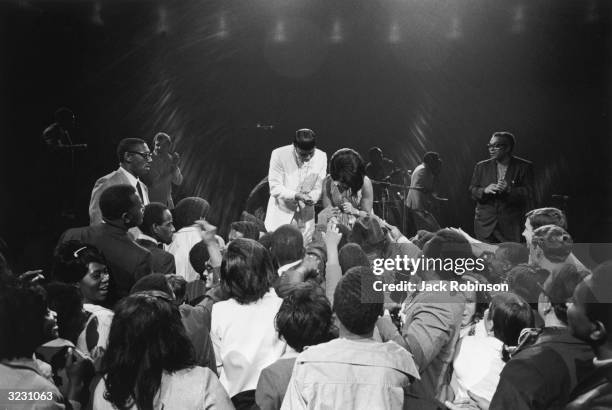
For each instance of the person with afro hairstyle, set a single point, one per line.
(353, 371)
(304, 319)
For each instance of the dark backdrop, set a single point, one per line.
(406, 75)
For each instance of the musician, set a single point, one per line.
(422, 199)
(347, 188)
(164, 172)
(379, 168)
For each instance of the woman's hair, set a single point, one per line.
(247, 272)
(22, 316)
(67, 301)
(248, 229)
(146, 338)
(483, 298)
(188, 210)
(305, 317)
(510, 314)
(347, 166)
(351, 255)
(72, 259)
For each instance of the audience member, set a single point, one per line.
(549, 248)
(506, 256)
(127, 261)
(304, 319)
(23, 310)
(196, 320)
(353, 371)
(480, 359)
(243, 229)
(549, 362)
(242, 327)
(134, 163)
(287, 247)
(476, 302)
(150, 362)
(157, 229)
(351, 255)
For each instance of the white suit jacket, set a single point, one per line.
(286, 178)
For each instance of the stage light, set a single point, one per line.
(162, 22)
(336, 35)
(280, 35)
(455, 31)
(96, 17)
(518, 19)
(223, 31)
(394, 33)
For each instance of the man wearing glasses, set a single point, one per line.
(295, 177)
(503, 189)
(134, 163)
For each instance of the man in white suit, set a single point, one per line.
(295, 177)
(134, 163)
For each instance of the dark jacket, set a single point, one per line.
(127, 261)
(505, 210)
(544, 374)
(161, 260)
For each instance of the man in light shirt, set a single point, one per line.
(134, 163)
(295, 177)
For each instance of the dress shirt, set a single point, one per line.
(134, 182)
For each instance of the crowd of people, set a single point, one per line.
(150, 308)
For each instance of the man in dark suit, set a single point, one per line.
(503, 189)
(121, 210)
(157, 228)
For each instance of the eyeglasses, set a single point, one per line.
(496, 146)
(144, 155)
(76, 253)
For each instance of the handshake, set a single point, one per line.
(500, 187)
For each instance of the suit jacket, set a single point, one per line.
(127, 261)
(116, 177)
(161, 261)
(285, 180)
(506, 210)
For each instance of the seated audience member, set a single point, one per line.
(549, 248)
(247, 217)
(432, 320)
(549, 362)
(84, 267)
(23, 312)
(287, 247)
(157, 229)
(506, 256)
(589, 315)
(480, 359)
(188, 232)
(196, 320)
(526, 281)
(307, 271)
(150, 362)
(242, 328)
(304, 319)
(353, 371)
(243, 229)
(351, 255)
(476, 302)
(127, 261)
(421, 238)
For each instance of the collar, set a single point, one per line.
(133, 180)
(148, 238)
(290, 353)
(288, 266)
(22, 363)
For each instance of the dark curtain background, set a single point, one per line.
(406, 75)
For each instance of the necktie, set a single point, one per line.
(139, 189)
